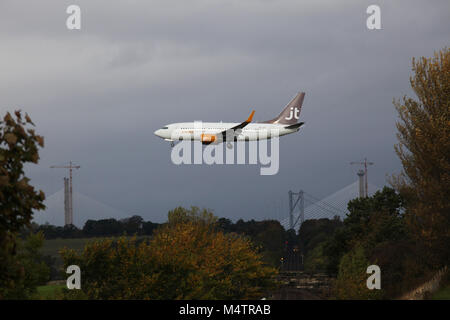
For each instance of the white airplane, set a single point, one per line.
(217, 132)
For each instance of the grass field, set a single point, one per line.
(49, 292)
(442, 294)
(52, 247)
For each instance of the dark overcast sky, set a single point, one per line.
(98, 94)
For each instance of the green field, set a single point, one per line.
(49, 292)
(442, 294)
(52, 247)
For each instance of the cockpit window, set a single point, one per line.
(165, 127)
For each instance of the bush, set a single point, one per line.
(186, 259)
(352, 277)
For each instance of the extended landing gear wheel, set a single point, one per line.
(172, 144)
(229, 145)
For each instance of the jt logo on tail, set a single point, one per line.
(291, 113)
(294, 114)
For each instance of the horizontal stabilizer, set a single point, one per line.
(295, 126)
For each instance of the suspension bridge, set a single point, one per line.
(304, 206)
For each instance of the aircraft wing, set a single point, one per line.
(236, 130)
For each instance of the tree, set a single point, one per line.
(103, 227)
(18, 145)
(180, 215)
(132, 225)
(313, 232)
(371, 221)
(402, 266)
(149, 227)
(424, 150)
(351, 281)
(376, 219)
(208, 264)
(30, 265)
(316, 260)
(271, 238)
(268, 235)
(36, 270)
(187, 258)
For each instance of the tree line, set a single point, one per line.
(269, 236)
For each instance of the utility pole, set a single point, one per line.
(68, 203)
(301, 201)
(365, 163)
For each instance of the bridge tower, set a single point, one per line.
(300, 201)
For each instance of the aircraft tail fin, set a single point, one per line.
(291, 112)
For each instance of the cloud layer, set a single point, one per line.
(98, 94)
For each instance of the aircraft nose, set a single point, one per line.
(158, 133)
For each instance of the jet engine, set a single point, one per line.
(207, 138)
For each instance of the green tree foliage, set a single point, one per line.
(376, 227)
(371, 221)
(315, 231)
(149, 227)
(313, 237)
(268, 236)
(187, 258)
(37, 272)
(195, 214)
(352, 277)
(18, 145)
(376, 219)
(103, 227)
(99, 228)
(424, 150)
(31, 265)
(316, 260)
(374, 232)
(133, 225)
(402, 266)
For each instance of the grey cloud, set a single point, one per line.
(98, 94)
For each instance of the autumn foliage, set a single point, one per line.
(19, 145)
(424, 150)
(186, 259)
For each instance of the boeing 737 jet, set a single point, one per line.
(217, 132)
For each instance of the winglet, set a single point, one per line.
(250, 117)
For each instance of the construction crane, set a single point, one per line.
(68, 207)
(365, 163)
